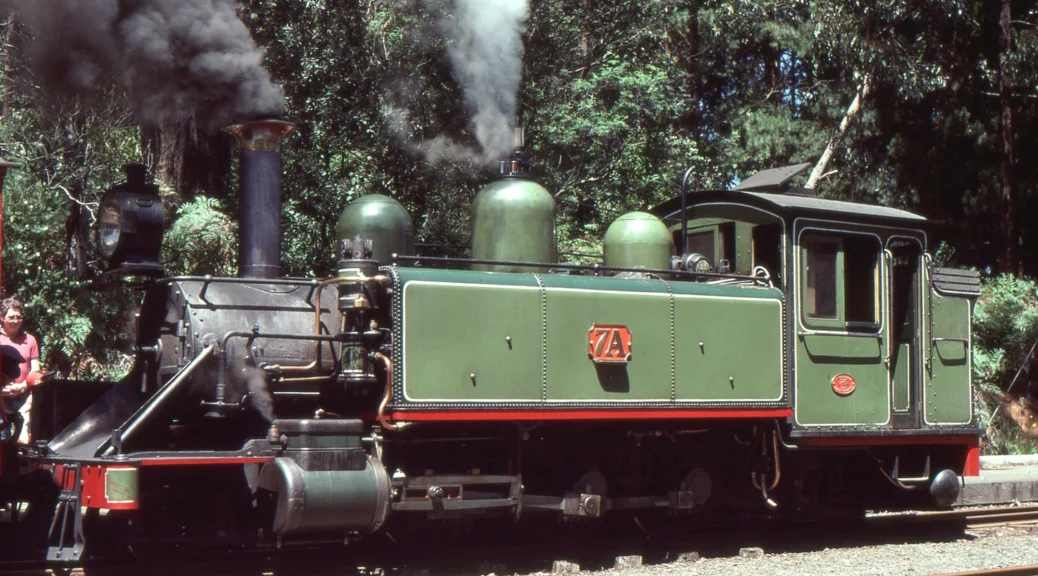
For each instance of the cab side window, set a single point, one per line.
(840, 282)
(820, 263)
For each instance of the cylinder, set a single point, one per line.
(513, 219)
(259, 202)
(313, 501)
(638, 239)
(382, 220)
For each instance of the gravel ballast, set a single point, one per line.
(996, 549)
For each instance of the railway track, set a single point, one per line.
(971, 519)
(528, 556)
(1018, 516)
(1010, 571)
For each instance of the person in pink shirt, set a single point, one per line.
(21, 350)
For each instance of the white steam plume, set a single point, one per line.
(259, 395)
(484, 39)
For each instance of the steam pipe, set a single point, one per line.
(684, 216)
(259, 203)
(596, 268)
(317, 331)
(778, 465)
(388, 394)
(317, 315)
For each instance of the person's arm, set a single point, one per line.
(35, 374)
(15, 389)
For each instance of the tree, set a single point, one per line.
(1005, 44)
(70, 151)
(618, 99)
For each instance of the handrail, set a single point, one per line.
(153, 403)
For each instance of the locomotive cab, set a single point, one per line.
(877, 336)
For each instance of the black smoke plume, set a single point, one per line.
(176, 57)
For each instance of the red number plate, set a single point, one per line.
(609, 343)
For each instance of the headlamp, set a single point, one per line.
(131, 223)
(109, 228)
(697, 263)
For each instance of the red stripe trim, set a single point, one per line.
(885, 440)
(205, 461)
(972, 467)
(595, 414)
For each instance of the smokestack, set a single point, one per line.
(518, 166)
(259, 201)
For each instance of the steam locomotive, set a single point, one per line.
(757, 350)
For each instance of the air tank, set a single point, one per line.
(638, 239)
(380, 219)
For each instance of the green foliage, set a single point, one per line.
(606, 108)
(618, 99)
(1005, 329)
(82, 326)
(201, 240)
(1004, 436)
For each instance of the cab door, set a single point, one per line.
(903, 259)
(841, 376)
(948, 393)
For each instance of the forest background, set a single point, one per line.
(929, 106)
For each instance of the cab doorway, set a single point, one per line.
(904, 264)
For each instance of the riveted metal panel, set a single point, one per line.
(822, 357)
(470, 342)
(901, 375)
(454, 325)
(947, 385)
(728, 349)
(826, 348)
(573, 376)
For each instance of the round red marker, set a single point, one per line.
(843, 384)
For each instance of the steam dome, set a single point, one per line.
(513, 219)
(638, 239)
(382, 220)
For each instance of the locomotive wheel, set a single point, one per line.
(699, 483)
(592, 482)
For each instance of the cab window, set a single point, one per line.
(840, 280)
(701, 243)
(736, 239)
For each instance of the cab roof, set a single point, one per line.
(790, 206)
(771, 190)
